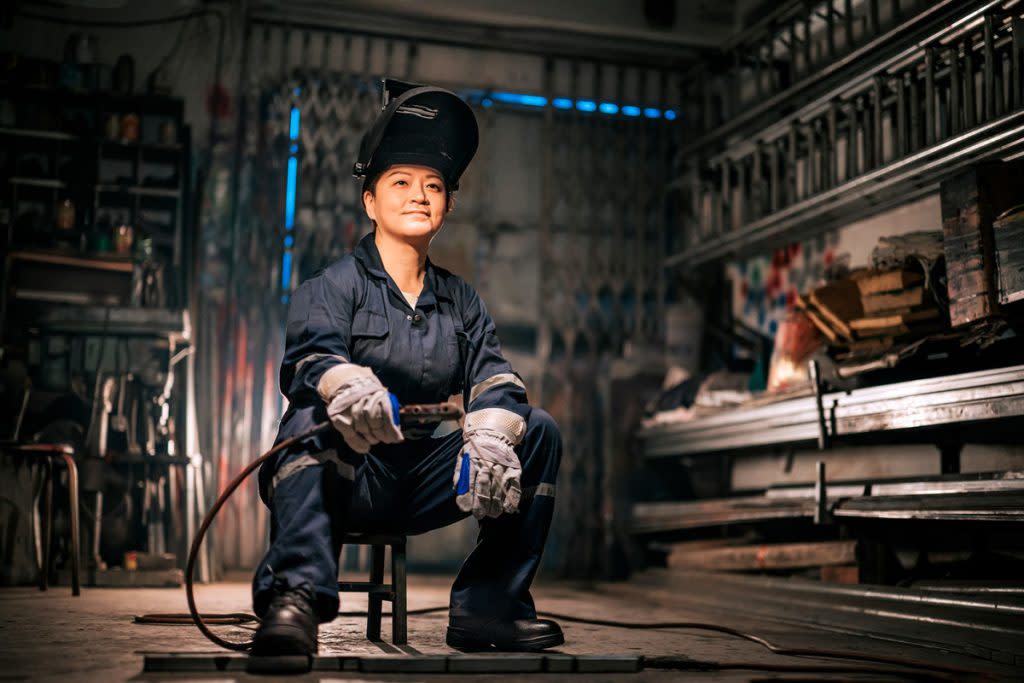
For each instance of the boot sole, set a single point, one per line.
(461, 639)
(283, 640)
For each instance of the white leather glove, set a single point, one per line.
(488, 473)
(359, 406)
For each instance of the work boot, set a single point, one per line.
(289, 626)
(519, 635)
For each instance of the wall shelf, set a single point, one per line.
(904, 406)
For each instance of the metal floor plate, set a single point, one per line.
(170, 662)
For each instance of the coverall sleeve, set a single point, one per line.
(490, 380)
(318, 333)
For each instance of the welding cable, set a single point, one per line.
(669, 662)
(193, 552)
(410, 414)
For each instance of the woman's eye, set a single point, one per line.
(400, 182)
(435, 187)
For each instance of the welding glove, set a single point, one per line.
(360, 407)
(488, 473)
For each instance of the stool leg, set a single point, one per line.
(399, 616)
(375, 600)
(44, 570)
(73, 501)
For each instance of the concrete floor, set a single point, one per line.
(54, 637)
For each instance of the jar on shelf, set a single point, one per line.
(112, 128)
(168, 133)
(130, 127)
(102, 241)
(64, 216)
(124, 237)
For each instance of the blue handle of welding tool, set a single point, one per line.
(394, 408)
(463, 486)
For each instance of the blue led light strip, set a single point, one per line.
(289, 204)
(588, 106)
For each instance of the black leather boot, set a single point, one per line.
(289, 626)
(520, 635)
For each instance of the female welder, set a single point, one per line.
(382, 322)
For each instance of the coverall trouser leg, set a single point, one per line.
(406, 488)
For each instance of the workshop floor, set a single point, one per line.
(54, 637)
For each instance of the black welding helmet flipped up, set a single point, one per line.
(422, 126)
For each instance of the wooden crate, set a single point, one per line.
(971, 201)
(1008, 233)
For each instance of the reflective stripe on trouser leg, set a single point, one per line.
(495, 579)
(310, 496)
(345, 470)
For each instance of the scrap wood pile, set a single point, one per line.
(873, 310)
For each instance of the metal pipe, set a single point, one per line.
(848, 24)
(929, 96)
(814, 372)
(915, 112)
(830, 30)
(810, 176)
(794, 73)
(791, 168)
(954, 91)
(807, 43)
(833, 146)
(1017, 47)
(742, 197)
(900, 143)
(757, 185)
(774, 184)
(988, 84)
(970, 101)
(876, 96)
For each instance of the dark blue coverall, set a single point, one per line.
(320, 489)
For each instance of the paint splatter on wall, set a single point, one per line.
(764, 288)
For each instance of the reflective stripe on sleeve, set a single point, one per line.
(493, 381)
(314, 357)
(541, 489)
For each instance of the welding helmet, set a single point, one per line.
(423, 126)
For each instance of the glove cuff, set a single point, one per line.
(498, 421)
(340, 376)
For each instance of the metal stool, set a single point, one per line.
(51, 454)
(378, 590)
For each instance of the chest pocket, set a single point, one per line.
(369, 338)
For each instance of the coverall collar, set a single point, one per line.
(433, 287)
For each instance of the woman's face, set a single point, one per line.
(408, 203)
